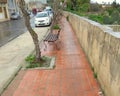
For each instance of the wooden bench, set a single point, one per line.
(52, 37)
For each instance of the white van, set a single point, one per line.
(48, 7)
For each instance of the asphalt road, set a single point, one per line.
(11, 29)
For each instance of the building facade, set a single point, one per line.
(12, 6)
(6, 8)
(36, 4)
(42, 1)
(4, 15)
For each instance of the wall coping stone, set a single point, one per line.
(105, 28)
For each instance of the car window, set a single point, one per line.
(42, 15)
(13, 14)
(47, 9)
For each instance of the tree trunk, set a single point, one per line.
(34, 37)
(31, 31)
(57, 8)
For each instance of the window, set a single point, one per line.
(0, 9)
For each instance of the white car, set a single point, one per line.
(15, 16)
(42, 19)
(50, 12)
(48, 7)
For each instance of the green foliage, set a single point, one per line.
(44, 58)
(95, 7)
(68, 4)
(95, 75)
(67, 18)
(92, 69)
(62, 0)
(107, 19)
(105, 13)
(108, 15)
(56, 26)
(82, 1)
(109, 10)
(115, 15)
(118, 9)
(97, 18)
(30, 58)
(111, 16)
(83, 7)
(32, 64)
(76, 12)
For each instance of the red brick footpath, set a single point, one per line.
(72, 75)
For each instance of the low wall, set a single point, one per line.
(115, 28)
(102, 47)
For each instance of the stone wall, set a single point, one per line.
(102, 47)
(115, 28)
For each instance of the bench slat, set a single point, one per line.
(52, 37)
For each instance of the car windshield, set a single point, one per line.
(48, 10)
(41, 15)
(13, 14)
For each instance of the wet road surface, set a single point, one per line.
(11, 29)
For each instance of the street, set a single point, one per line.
(12, 29)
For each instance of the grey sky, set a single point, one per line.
(101, 1)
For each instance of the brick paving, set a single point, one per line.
(72, 75)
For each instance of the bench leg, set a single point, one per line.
(45, 48)
(58, 44)
(53, 44)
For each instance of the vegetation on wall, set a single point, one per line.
(104, 14)
(78, 5)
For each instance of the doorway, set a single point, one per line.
(5, 12)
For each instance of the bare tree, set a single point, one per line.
(57, 14)
(34, 36)
(58, 6)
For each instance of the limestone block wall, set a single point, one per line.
(102, 47)
(115, 28)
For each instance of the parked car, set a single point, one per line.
(15, 16)
(48, 7)
(50, 12)
(42, 19)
